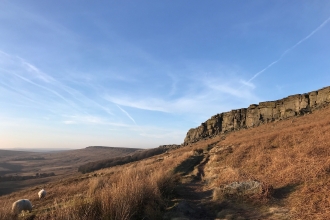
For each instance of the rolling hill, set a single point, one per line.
(26, 166)
(276, 170)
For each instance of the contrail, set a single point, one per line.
(126, 113)
(43, 87)
(290, 49)
(50, 80)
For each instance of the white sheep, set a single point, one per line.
(21, 205)
(42, 194)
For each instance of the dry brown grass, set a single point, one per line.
(63, 164)
(122, 196)
(134, 191)
(290, 155)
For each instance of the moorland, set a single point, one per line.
(277, 170)
(21, 169)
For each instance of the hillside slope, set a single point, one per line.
(51, 165)
(289, 158)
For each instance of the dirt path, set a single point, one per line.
(192, 196)
(193, 200)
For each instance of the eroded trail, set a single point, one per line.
(194, 198)
(192, 195)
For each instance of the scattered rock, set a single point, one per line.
(251, 188)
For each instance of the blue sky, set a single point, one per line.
(142, 73)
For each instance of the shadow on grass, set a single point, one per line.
(188, 165)
(283, 192)
(10, 168)
(200, 168)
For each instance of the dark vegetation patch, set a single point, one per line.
(9, 153)
(18, 178)
(136, 156)
(28, 158)
(10, 168)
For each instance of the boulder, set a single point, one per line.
(245, 189)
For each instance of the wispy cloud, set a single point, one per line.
(174, 85)
(35, 71)
(248, 84)
(69, 122)
(46, 88)
(229, 87)
(151, 104)
(204, 94)
(126, 113)
(164, 135)
(87, 119)
(290, 49)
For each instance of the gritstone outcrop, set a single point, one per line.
(255, 115)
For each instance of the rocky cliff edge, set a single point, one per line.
(255, 115)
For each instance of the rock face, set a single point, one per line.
(255, 115)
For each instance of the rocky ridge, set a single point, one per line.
(255, 115)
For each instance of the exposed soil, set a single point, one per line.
(193, 199)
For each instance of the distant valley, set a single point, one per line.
(32, 168)
(276, 169)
